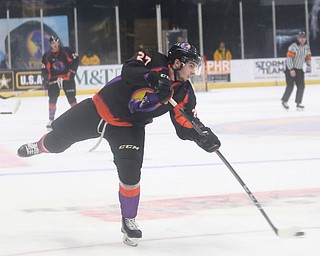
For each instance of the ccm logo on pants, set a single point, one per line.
(129, 147)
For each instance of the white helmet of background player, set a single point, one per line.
(54, 39)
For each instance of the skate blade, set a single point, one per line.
(130, 241)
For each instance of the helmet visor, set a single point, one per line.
(199, 69)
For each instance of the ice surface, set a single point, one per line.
(67, 204)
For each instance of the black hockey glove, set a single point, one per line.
(46, 84)
(161, 83)
(208, 141)
(164, 89)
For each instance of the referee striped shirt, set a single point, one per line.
(297, 55)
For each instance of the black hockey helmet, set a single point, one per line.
(184, 52)
(54, 39)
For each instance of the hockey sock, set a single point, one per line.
(73, 104)
(52, 111)
(129, 196)
(42, 148)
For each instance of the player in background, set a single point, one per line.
(124, 106)
(298, 53)
(59, 67)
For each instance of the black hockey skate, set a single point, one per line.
(29, 149)
(285, 105)
(300, 107)
(131, 233)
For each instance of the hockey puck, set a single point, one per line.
(301, 233)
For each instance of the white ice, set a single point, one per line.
(191, 204)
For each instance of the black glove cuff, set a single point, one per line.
(153, 78)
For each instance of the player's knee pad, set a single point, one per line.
(129, 170)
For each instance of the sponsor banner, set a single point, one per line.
(25, 38)
(87, 77)
(28, 79)
(91, 77)
(6, 80)
(218, 71)
(267, 70)
(315, 69)
(221, 67)
(95, 77)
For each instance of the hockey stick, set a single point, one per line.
(101, 134)
(5, 97)
(59, 81)
(14, 110)
(16, 94)
(289, 232)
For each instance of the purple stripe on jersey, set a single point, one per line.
(114, 80)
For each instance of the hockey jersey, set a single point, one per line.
(58, 64)
(129, 99)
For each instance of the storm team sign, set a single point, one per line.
(269, 68)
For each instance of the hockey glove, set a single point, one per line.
(46, 84)
(161, 83)
(208, 141)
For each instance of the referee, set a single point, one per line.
(298, 53)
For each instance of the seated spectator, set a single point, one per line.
(90, 58)
(222, 53)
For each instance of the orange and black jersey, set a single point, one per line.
(58, 64)
(128, 99)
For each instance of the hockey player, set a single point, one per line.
(59, 67)
(122, 108)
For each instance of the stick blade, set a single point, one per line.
(290, 232)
